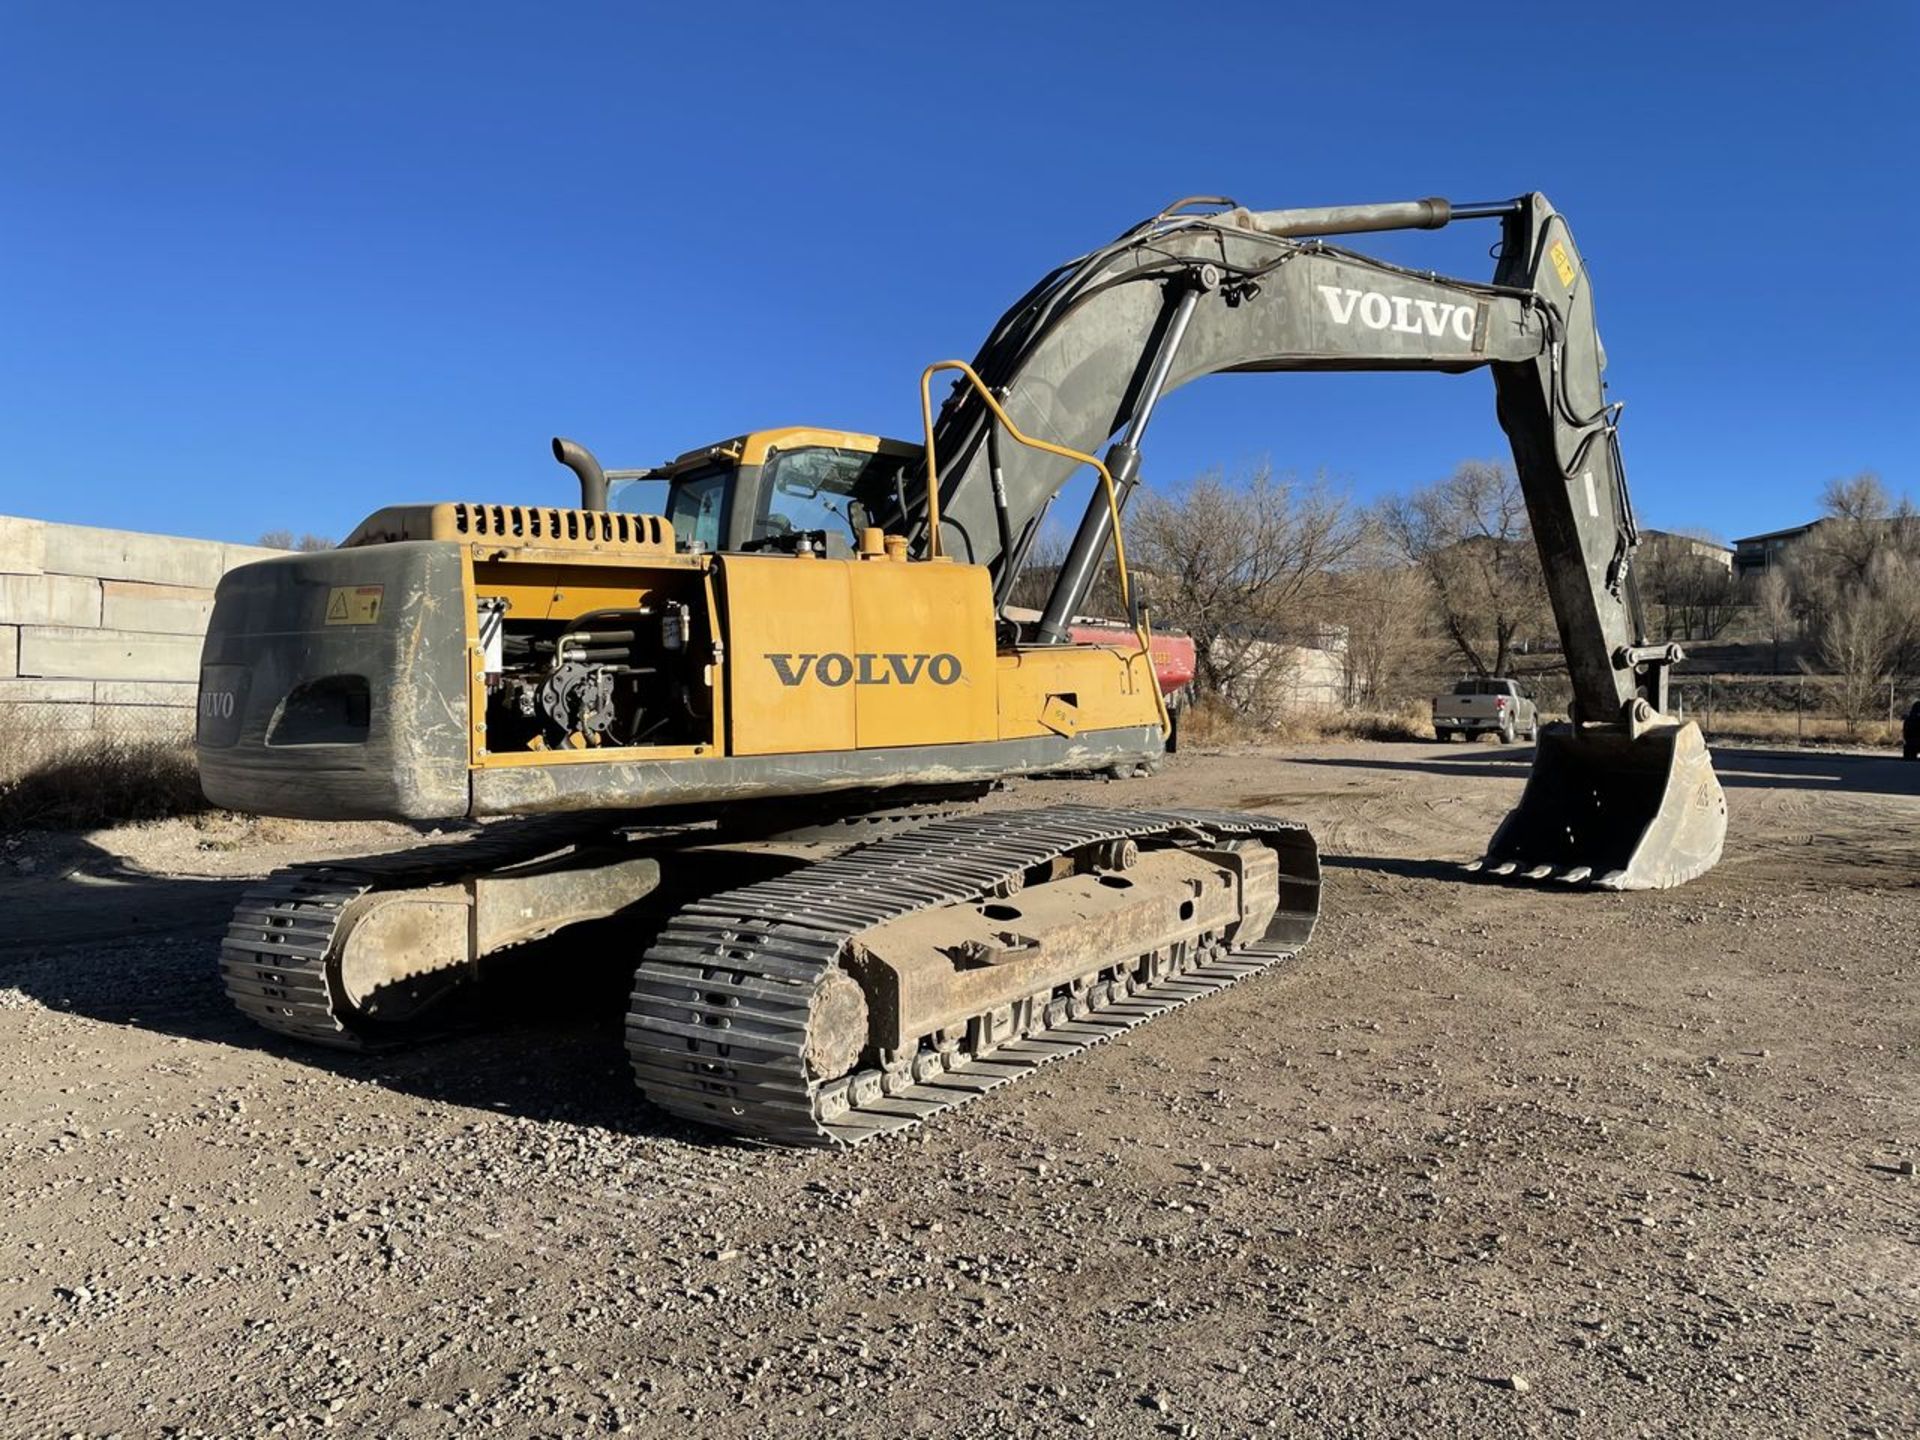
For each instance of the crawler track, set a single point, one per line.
(721, 1003)
(277, 956)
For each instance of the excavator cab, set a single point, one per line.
(798, 487)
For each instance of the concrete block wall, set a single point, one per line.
(101, 629)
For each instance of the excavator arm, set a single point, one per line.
(1624, 796)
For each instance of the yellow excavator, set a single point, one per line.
(756, 692)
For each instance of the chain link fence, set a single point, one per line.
(57, 774)
(1795, 708)
(1773, 709)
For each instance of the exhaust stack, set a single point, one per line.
(593, 480)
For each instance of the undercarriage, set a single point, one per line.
(829, 999)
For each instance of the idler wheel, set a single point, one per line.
(836, 1026)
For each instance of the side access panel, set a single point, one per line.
(832, 655)
(1069, 689)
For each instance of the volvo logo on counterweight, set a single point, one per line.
(834, 669)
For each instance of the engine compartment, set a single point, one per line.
(557, 677)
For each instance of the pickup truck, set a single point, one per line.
(1491, 707)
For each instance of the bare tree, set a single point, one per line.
(284, 540)
(1839, 550)
(1692, 594)
(1386, 607)
(1242, 566)
(1859, 497)
(1035, 581)
(1469, 533)
(1773, 607)
(1864, 627)
(1856, 579)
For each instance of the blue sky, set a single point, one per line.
(271, 267)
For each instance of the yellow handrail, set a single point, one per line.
(1142, 632)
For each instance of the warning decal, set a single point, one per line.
(354, 604)
(1562, 265)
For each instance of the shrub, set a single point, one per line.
(76, 780)
(1211, 721)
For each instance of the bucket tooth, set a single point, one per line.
(1639, 810)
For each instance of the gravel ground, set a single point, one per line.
(1483, 1161)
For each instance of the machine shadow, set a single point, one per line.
(542, 1037)
(1737, 767)
(1816, 770)
(1505, 762)
(1407, 869)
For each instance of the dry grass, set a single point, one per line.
(1213, 722)
(1210, 721)
(81, 779)
(1407, 723)
(1775, 727)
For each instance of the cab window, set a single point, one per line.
(819, 487)
(637, 497)
(695, 507)
(694, 503)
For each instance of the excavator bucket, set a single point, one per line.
(1615, 810)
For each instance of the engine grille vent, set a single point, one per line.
(526, 527)
(534, 525)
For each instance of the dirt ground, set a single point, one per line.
(1482, 1161)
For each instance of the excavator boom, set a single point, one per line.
(1623, 796)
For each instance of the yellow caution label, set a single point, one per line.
(1562, 262)
(354, 604)
(1060, 717)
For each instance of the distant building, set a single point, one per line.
(1712, 550)
(1757, 554)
